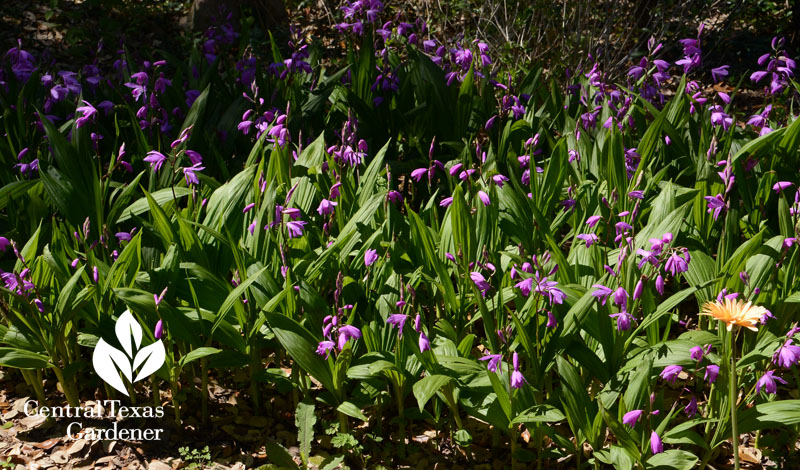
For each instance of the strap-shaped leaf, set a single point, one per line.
(233, 297)
(123, 271)
(21, 359)
(301, 346)
(539, 414)
(198, 353)
(160, 221)
(162, 196)
(350, 409)
(427, 387)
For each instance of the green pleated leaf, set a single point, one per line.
(301, 346)
(427, 387)
(198, 353)
(350, 409)
(539, 414)
(21, 359)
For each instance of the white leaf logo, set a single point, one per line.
(109, 361)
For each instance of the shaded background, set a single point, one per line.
(559, 34)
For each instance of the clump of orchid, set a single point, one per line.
(387, 82)
(399, 32)
(22, 62)
(26, 168)
(592, 94)
(147, 85)
(157, 159)
(61, 85)
(335, 327)
(494, 363)
(430, 171)
(540, 283)
(692, 52)
(778, 66)
(220, 34)
(352, 150)
(650, 74)
(260, 116)
(633, 419)
(719, 203)
(286, 221)
(398, 320)
(297, 61)
(359, 15)
(759, 121)
(461, 58)
(509, 104)
(528, 161)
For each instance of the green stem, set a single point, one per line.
(344, 428)
(398, 391)
(32, 380)
(379, 416)
(69, 394)
(296, 378)
(173, 385)
(732, 395)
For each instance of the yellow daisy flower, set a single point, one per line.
(735, 312)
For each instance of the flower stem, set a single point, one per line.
(732, 395)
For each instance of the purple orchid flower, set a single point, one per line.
(588, 238)
(517, 379)
(424, 343)
(696, 353)
(346, 332)
(325, 347)
(677, 264)
(691, 408)
(602, 292)
(295, 228)
(326, 207)
(670, 373)
(632, 417)
(370, 256)
(768, 383)
(718, 74)
(712, 371)
(397, 320)
(480, 282)
(787, 355)
(655, 443)
(88, 112)
(189, 173)
(156, 159)
(623, 320)
(494, 361)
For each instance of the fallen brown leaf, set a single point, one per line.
(750, 455)
(48, 444)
